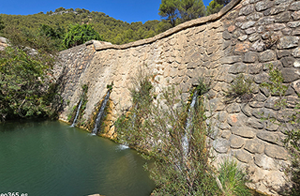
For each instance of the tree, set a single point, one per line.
(51, 32)
(78, 34)
(60, 9)
(27, 87)
(56, 34)
(213, 7)
(223, 2)
(191, 9)
(181, 10)
(1, 24)
(169, 10)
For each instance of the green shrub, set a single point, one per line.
(240, 87)
(27, 89)
(79, 34)
(233, 179)
(158, 128)
(290, 125)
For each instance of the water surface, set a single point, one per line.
(50, 158)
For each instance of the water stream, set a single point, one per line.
(100, 114)
(77, 113)
(188, 131)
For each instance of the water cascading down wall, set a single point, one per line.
(244, 37)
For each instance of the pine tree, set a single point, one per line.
(191, 9)
(169, 10)
(213, 7)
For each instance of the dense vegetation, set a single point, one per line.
(79, 34)
(290, 124)
(178, 11)
(27, 87)
(174, 135)
(59, 23)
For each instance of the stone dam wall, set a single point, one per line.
(244, 37)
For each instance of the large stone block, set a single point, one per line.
(221, 145)
(238, 68)
(292, 25)
(264, 162)
(275, 151)
(233, 108)
(236, 119)
(260, 78)
(226, 35)
(272, 126)
(283, 17)
(287, 42)
(254, 146)
(266, 20)
(230, 59)
(261, 113)
(255, 16)
(247, 10)
(236, 142)
(250, 57)
(269, 137)
(243, 131)
(268, 55)
(246, 109)
(263, 5)
(279, 2)
(260, 97)
(221, 116)
(287, 61)
(296, 86)
(272, 103)
(254, 37)
(216, 104)
(254, 123)
(248, 24)
(258, 46)
(255, 68)
(290, 74)
(295, 6)
(243, 156)
(296, 15)
(278, 9)
(296, 52)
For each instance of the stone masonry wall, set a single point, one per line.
(71, 67)
(244, 37)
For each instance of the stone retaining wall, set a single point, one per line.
(245, 37)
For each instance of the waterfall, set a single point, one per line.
(100, 114)
(77, 113)
(187, 134)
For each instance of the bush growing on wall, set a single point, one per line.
(240, 87)
(159, 129)
(291, 125)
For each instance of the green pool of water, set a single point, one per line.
(50, 158)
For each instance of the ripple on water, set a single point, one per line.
(49, 158)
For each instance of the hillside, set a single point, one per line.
(111, 30)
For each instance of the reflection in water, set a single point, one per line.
(49, 158)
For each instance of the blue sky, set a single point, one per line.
(125, 10)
